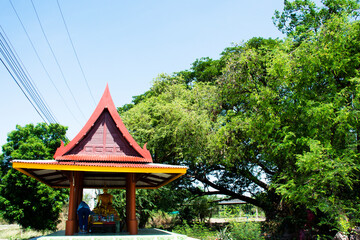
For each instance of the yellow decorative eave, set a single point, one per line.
(22, 165)
(157, 174)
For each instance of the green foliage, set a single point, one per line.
(245, 230)
(31, 142)
(237, 211)
(144, 204)
(276, 119)
(203, 70)
(301, 17)
(175, 121)
(29, 203)
(196, 230)
(224, 234)
(199, 209)
(234, 230)
(292, 113)
(324, 85)
(162, 220)
(22, 199)
(149, 201)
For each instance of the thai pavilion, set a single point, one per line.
(103, 154)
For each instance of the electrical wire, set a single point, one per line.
(56, 60)
(20, 75)
(13, 63)
(22, 80)
(42, 64)
(28, 80)
(77, 58)
(22, 89)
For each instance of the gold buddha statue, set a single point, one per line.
(104, 205)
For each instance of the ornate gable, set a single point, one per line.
(104, 137)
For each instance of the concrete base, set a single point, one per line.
(143, 234)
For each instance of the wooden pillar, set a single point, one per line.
(79, 183)
(130, 204)
(71, 222)
(75, 197)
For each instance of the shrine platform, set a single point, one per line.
(143, 234)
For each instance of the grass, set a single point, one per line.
(15, 232)
(230, 231)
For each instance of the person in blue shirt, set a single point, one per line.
(83, 212)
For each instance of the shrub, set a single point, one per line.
(199, 209)
(245, 230)
(196, 230)
(160, 219)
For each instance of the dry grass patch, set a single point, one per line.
(15, 232)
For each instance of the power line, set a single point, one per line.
(57, 62)
(77, 58)
(42, 64)
(29, 82)
(15, 66)
(16, 71)
(21, 88)
(21, 76)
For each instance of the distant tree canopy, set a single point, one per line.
(300, 18)
(24, 200)
(273, 123)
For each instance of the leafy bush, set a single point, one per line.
(199, 209)
(233, 231)
(148, 202)
(24, 200)
(160, 219)
(246, 230)
(196, 230)
(236, 211)
(30, 203)
(224, 234)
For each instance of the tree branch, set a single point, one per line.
(266, 170)
(249, 175)
(210, 193)
(226, 191)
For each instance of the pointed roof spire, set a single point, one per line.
(104, 138)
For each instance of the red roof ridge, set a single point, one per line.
(105, 102)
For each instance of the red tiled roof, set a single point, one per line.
(112, 158)
(106, 102)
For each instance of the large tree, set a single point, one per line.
(24, 200)
(323, 78)
(278, 128)
(294, 121)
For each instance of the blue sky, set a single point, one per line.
(123, 43)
